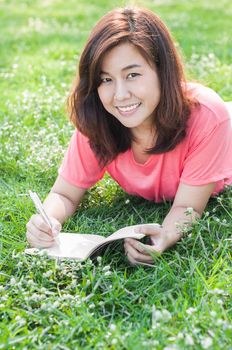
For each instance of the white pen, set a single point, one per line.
(40, 209)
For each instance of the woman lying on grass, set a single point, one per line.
(137, 118)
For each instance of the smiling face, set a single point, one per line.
(129, 88)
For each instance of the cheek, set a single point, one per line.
(153, 87)
(153, 95)
(104, 95)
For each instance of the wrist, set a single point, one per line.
(170, 238)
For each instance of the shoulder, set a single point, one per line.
(79, 147)
(210, 111)
(80, 140)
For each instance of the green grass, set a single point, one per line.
(184, 301)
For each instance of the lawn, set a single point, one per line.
(184, 301)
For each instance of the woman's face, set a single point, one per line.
(130, 88)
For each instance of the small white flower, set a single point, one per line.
(217, 291)
(191, 310)
(107, 273)
(73, 283)
(112, 327)
(38, 263)
(19, 264)
(172, 339)
(67, 297)
(213, 313)
(127, 201)
(42, 253)
(114, 341)
(47, 274)
(22, 322)
(166, 315)
(189, 211)
(30, 283)
(211, 333)
(180, 335)
(43, 290)
(34, 297)
(99, 259)
(13, 281)
(106, 268)
(44, 306)
(189, 340)
(56, 304)
(157, 315)
(171, 347)
(206, 342)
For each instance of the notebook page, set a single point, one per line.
(72, 245)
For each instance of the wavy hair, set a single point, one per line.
(145, 30)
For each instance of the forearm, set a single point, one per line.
(59, 206)
(177, 221)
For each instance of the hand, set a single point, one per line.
(138, 252)
(39, 234)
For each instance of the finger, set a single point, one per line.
(149, 229)
(133, 261)
(40, 235)
(38, 243)
(56, 226)
(136, 255)
(35, 231)
(142, 248)
(38, 222)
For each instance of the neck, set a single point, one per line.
(145, 136)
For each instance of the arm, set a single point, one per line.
(163, 237)
(63, 199)
(60, 203)
(195, 197)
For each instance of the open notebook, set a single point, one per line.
(82, 246)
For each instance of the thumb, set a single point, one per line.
(149, 229)
(56, 226)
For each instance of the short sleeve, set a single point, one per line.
(209, 157)
(80, 166)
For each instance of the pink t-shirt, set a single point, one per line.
(204, 156)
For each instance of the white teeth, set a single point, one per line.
(128, 108)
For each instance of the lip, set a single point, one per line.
(128, 109)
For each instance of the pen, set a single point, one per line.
(40, 209)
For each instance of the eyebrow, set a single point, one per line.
(126, 68)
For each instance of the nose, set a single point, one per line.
(121, 91)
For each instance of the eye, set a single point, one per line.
(132, 75)
(105, 80)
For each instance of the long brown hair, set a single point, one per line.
(145, 30)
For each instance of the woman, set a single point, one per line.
(139, 120)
